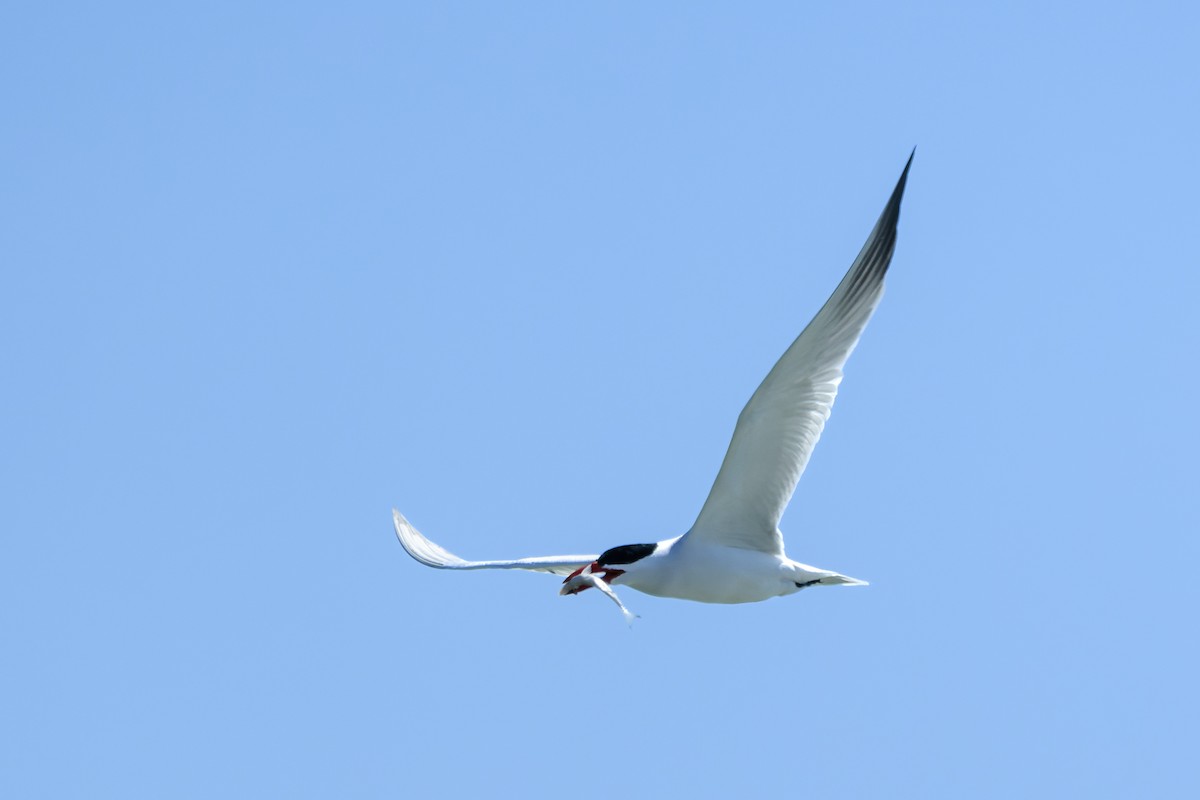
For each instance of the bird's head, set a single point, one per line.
(611, 564)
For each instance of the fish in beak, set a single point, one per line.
(585, 578)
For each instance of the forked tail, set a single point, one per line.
(841, 580)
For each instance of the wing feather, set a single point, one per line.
(778, 429)
(434, 555)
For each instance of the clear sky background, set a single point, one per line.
(270, 270)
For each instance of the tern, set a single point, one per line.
(734, 551)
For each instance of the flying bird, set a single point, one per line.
(734, 553)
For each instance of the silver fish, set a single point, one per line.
(586, 579)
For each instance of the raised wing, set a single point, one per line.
(778, 429)
(432, 555)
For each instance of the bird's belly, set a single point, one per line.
(715, 575)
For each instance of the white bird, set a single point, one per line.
(734, 551)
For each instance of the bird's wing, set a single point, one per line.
(432, 555)
(779, 427)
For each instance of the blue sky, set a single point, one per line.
(271, 270)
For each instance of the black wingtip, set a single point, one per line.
(898, 192)
(891, 212)
(873, 260)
